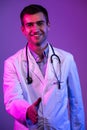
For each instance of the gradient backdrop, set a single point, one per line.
(68, 31)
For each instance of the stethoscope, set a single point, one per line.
(30, 80)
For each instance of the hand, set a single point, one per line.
(32, 113)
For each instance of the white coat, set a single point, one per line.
(54, 113)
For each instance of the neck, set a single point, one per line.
(38, 49)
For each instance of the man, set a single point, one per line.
(41, 81)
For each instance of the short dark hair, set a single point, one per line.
(33, 9)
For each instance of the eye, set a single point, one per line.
(40, 23)
(29, 24)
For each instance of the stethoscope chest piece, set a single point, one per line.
(29, 80)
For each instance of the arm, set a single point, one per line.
(75, 99)
(14, 100)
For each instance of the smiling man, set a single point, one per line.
(41, 81)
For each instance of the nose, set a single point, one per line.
(35, 27)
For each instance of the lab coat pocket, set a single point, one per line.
(58, 93)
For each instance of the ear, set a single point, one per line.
(22, 29)
(48, 25)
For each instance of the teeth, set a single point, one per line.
(36, 35)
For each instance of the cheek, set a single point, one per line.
(25, 31)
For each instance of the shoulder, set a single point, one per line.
(16, 56)
(64, 55)
(63, 52)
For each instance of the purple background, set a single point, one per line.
(68, 31)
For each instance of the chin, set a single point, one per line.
(38, 43)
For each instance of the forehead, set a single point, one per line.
(33, 17)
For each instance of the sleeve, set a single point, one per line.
(14, 100)
(75, 98)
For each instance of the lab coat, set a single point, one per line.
(60, 109)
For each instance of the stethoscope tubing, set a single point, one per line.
(30, 80)
(54, 54)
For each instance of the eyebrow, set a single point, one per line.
(43, 21)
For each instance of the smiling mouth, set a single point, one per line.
(36, 35)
